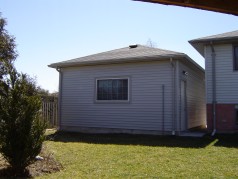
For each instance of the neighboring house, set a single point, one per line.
(221, 64)
(136, 89)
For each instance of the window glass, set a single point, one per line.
(112, 89)
(236, 58)
(237, 117)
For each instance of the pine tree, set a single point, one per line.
(21, 127)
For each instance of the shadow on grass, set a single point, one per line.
(227, 140)
(7, 172)
(128, 139)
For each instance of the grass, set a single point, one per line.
(141, 156)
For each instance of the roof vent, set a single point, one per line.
(133, 46)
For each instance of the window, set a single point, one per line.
(236, 116)
(112, 89)
(236, 57)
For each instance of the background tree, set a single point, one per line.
(21, 128)
(150, 43)
(42, 91)
(8, 52)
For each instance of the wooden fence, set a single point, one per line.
(49, 110)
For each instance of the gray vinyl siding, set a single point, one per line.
(195, 89)
(144, 110)
(226, 77)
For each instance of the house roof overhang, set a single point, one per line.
(222, 6)
(115, 61)
(118, 61)
(199, 44)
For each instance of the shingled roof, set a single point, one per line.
(227, 37)
(127, 54)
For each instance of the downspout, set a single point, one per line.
(173, 95)
(213, 54)
(59, 97)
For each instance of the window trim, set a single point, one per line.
(112, 101)
(235, 68)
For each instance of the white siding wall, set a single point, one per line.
(226, 77)
(144, 112)
(196, 99)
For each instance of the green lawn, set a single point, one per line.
(141, 156)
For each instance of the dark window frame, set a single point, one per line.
(112, 90)
(235, 57)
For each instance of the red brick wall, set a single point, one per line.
(225, 120)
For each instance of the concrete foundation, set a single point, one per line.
(114, 131)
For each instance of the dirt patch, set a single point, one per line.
(40, 167)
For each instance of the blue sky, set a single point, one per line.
(56, 30)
